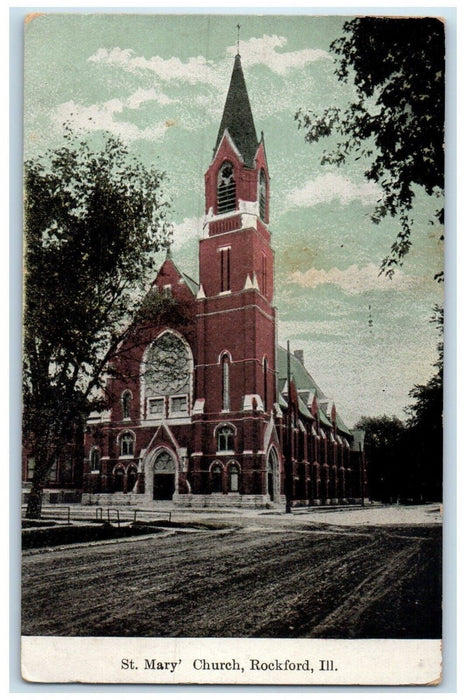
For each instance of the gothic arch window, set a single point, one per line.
(225, 438)
(126, 398)
(265, 366)
(262, 195)
(94, 458)
(233, 477)
(225, 362)
(226, 189)
(167, 377)
(126, 442)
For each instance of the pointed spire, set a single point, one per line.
(237, 116)
(168, 252)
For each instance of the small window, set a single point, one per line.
(31, 466)
(95, 459)
(126, 403)
(167, 291)
(53, 474)
(225, 439)
(225, 263)
(155, 407)
(264, 274)
(179, 405)
(126, 445)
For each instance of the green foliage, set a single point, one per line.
(383, 443)
(93, 221)
(405, 460)
(397, 122)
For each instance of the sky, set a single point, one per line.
(159, 82)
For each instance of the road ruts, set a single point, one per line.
(244, 583)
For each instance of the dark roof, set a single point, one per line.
(304, 383)
(237, 117)
(301, 376)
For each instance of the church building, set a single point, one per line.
(205, 410)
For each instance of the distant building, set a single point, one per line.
(204, 408)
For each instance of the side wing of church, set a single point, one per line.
(205, 409)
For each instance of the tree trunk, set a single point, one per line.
(34, 508)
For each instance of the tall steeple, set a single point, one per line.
(237, 117)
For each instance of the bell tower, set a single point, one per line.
(235, 373)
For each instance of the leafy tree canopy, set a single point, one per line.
(93, 220)
(397, 120)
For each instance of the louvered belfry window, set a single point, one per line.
(262, 195)
(226, 189)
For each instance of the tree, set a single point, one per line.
(396, 123)
(424, 435)
(383, 439)
(93, 221)
(405, 459)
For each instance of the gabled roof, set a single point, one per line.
(237, 117)
(192, 285)
(305, 385)
(302, 378)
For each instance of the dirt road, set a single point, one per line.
(315, 581)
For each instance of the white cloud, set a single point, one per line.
(263, 51)
(330, 186)
(141, 96)
(189, 229)
(197, 69)
(194, 70)
(101, 116)
(353, 280)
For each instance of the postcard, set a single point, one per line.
(233, 349)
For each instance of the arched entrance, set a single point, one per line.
(164, 476)
(132, 477)
(272, 474)
(118, 479)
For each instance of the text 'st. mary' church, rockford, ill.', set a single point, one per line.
(206, 409)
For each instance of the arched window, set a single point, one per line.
(225, 439)
(95, 459)
(225, 383)
(233, 477)
(262, 195)
(126, 403)
(167, 376)
(217, 479)
(126, 445)
(226, 189)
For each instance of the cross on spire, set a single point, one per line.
(238, 27)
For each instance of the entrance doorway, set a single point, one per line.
(164, 476)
